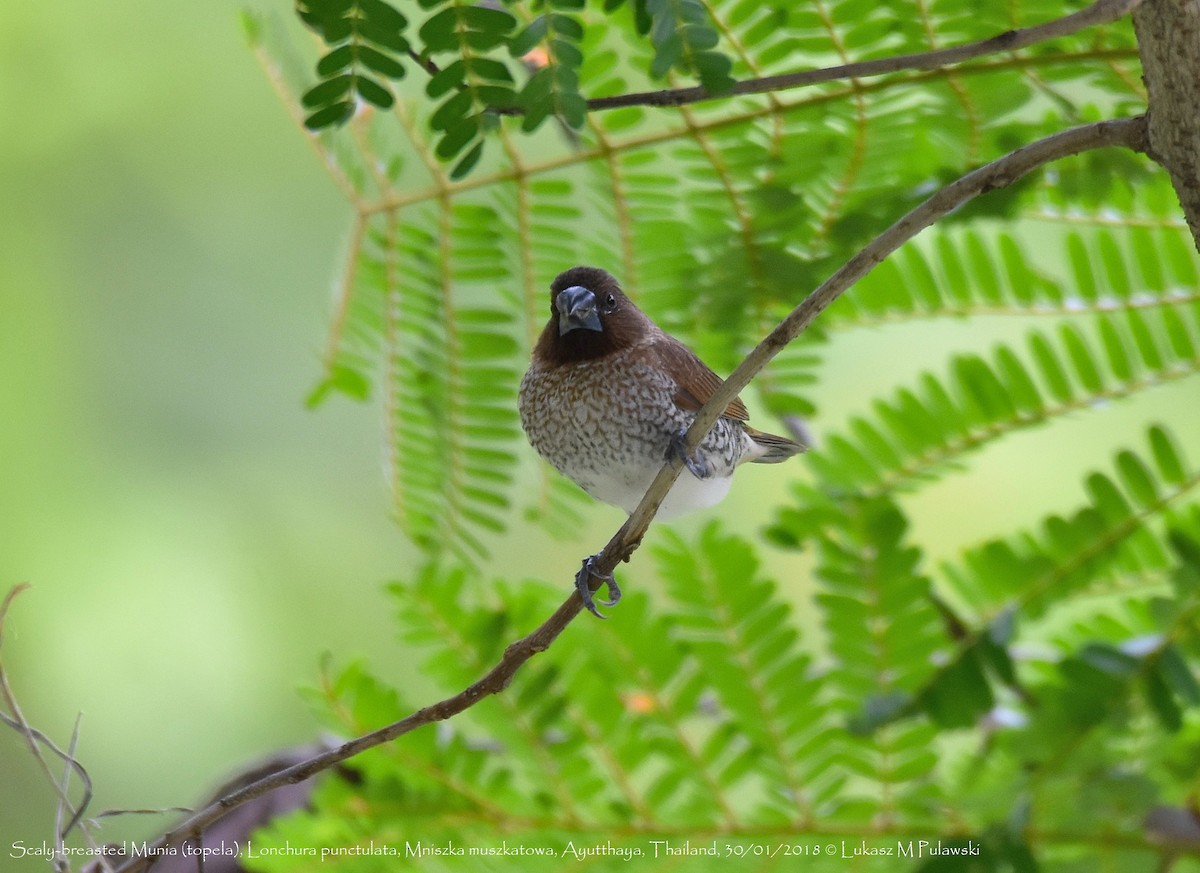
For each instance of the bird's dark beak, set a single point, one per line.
(576, 307)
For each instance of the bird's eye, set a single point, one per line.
(610, 303)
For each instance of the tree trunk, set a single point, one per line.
(1168, 34)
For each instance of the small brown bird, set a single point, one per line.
(609, 397)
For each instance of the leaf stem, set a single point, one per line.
(1100, 12)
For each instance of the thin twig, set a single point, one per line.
(1100, 12)
(4, 607)
(426, 64)
(60, 808)
(109, 813)
(1129, 133)
(34, 737)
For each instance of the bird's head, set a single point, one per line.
(590, 316)
(585, 298)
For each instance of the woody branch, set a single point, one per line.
(1100, 12)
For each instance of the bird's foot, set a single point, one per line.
(583, 586)
(677, 452)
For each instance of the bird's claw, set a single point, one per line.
(677, 451)
(583, 586)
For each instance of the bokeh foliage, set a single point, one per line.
(1034, 695)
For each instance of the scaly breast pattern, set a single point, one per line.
(607, 424)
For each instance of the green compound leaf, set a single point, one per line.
(360, 34)
(683, 38)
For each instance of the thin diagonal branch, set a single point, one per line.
(1128, 133)
(1100, 12)
(61, 828)
(36, 739)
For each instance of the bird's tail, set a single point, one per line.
(771, 449)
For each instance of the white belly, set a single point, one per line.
(687, 493)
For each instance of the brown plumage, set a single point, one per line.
(608, 396)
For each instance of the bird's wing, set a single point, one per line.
(694, 380)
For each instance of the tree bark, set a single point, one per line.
(1168, 34)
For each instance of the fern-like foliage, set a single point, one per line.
(907, 437)
(860, 683)
(474, 81)
(708, 714)
(359, 33)
(554, 88)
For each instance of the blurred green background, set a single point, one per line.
(195, 537)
